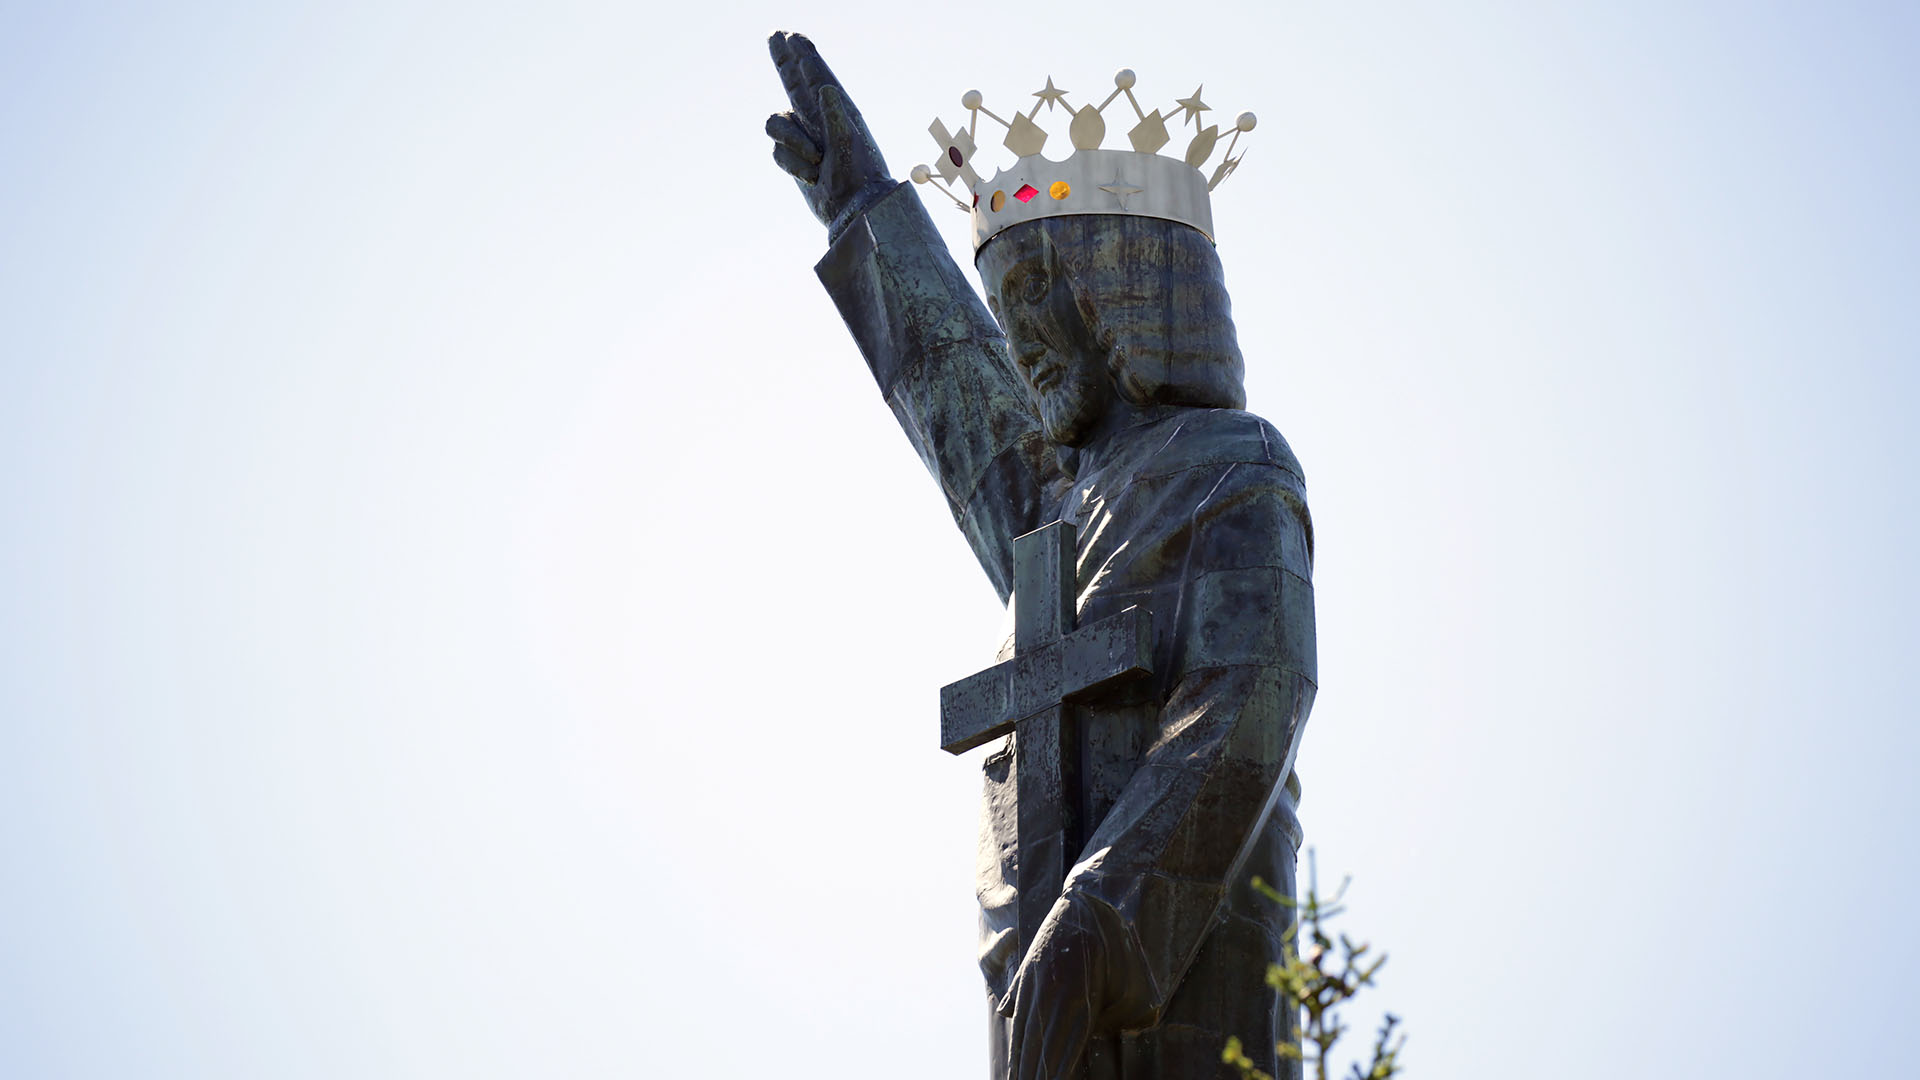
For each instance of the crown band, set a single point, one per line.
(1092, 182)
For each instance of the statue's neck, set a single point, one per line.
(1110, 433)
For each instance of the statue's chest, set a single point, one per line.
(1131, 552)
(1133, 534)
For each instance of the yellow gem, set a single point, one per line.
(1060, 189)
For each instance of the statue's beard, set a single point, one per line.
(1071, 406)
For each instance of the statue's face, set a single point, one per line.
(1052, 345)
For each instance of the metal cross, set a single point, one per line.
(1053, 665)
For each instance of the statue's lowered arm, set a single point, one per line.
(939, 358)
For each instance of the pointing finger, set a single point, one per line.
(810, 62)
(787, 62)
(817, 74)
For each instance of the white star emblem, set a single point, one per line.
(1193, 105)
(1121, 190)
(1050, 95)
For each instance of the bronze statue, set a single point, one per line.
(1108, 397)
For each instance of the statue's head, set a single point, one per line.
(1104, 308)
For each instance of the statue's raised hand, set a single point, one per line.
(823, 142)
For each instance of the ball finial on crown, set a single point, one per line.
(1091, 180)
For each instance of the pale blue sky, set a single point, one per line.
(467, 612)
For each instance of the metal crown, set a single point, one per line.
(1139, 182)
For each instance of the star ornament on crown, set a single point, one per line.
(1139, 182)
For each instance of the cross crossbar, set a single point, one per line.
(984, 706)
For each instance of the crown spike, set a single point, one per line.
(923, 175)
(1223, 171)
(970, 101)
(1241, 124)
(1150, 134)
(1024, 137)
(1050, 96)
(1193, 106)
(1087, 129)
(1201, 147)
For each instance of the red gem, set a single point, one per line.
(1026, 193)
(953, 155)
(976, 198)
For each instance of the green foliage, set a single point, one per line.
(1322, 978)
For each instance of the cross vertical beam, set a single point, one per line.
(1046, 744)
(1043, 586)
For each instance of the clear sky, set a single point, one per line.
(467, 612)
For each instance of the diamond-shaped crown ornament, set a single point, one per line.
(1139, 182)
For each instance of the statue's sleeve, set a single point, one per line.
(1163, 858)
(942, 366)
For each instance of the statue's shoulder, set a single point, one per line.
(1211, 438)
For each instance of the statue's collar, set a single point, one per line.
(1114, 443)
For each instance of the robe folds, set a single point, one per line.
(1200, 517)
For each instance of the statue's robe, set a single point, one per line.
(1200, 516)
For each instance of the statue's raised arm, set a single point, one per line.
(938, 356)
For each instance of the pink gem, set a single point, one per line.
(1026, 193)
